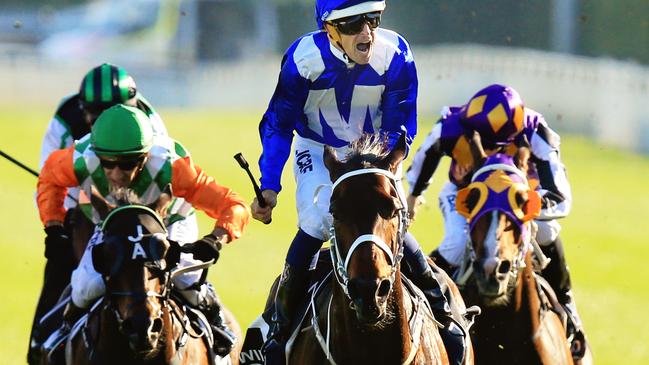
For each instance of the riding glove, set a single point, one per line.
(205, 249)
(58, 245)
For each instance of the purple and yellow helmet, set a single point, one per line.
(496, 112)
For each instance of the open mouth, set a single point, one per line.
(363, 47)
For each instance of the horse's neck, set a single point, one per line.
(389, 345)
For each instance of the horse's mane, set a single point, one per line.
(368, 150)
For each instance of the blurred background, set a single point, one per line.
(210, 66)
(591, 54)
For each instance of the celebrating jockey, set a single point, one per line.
(348, 78)
(504, 124)
(102, 87)
(121, 152)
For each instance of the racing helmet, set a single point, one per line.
(496, 112)
(120, 131)
(327, 10)
(105, 86)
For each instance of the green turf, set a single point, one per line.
(604, 236)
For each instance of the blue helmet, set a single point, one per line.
(326, 10)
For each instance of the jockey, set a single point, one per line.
(121, 153)
(102, 87)
(348, 78)
(504, 124)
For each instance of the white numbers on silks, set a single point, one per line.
(138, 250)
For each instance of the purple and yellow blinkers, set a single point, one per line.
(500, 186)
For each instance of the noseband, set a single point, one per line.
(341, 264)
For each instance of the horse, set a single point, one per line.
(521, 321)
(367, 312)
(139, 320)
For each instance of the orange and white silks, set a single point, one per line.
(188, 181)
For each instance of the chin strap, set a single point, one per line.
(337, 39)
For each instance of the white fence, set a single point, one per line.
(601, 98)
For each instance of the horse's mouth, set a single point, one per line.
(492, 291)
(373, 317)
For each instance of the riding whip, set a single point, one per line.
(244, 165)
(20, 164)
(26, 168)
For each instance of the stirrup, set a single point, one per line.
(577, 341)
(224, 340)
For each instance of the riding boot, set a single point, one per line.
(56, 277)
(442, 263)
(224, 338)
(558, 276)
(292, 286)
(452, 333)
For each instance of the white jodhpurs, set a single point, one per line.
(455, 227)
(88, 285)
(311, 179)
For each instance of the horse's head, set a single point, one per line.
(499, 206)
(134, 260)
(369, 218)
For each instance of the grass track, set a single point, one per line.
(605, 236)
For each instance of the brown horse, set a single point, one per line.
(371, 314)
(138, 321)
(520, 323)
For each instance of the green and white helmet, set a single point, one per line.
(122, 130)
(105, 86)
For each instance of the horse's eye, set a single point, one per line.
(472, 199)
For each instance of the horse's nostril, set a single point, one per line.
(127, 326)
(504, 267)
(156, 326)
(384, 288)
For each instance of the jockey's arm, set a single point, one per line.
(420, 173)
(204, 193)
(55, 177)
(425, 162)
(56, 136)
(399, 100)
(555, 189)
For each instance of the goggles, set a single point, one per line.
(122, 164)
(352, 25)
(508, 201)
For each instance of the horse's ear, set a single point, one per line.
(394, 158)
(161, 205)
(477, 151)
(332, 163)
(101, 205)
(521, 159)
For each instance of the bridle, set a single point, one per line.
(341, 264)
(466, 268)
(163, 295)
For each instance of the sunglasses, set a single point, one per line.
(354, 24)
(124, 165)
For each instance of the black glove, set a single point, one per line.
(205, 249)
(58, 246)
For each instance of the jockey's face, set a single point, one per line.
(358, 46)
(121, 171)
(90, 113)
